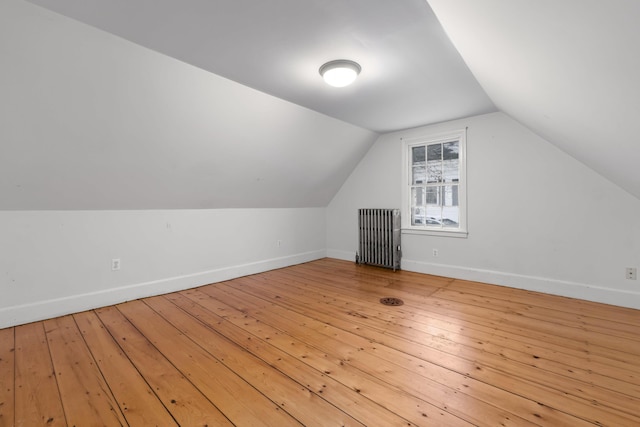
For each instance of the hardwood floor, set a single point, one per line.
(311, 345)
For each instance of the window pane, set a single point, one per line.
(434, 171)
(451, 171)
(417, 216)
(451, 216)
(450, 164)
(419, 174)
(450, 209)
(434, 163)
(432, 195)
(418, 169)
(417, 154)
(434, 152)
(450, 150)
(434, 216)
(450, 195)
(417, 196)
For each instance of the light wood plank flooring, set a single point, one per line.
(312, 345)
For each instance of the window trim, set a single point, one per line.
(407, 143)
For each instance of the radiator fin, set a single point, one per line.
(379, 237)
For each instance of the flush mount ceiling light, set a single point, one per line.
(340, 73)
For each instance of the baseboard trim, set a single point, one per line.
(531, 283)
(26, 313)
(343, 255)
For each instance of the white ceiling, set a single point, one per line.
(567, 69)
(91, 121)
(411, 73)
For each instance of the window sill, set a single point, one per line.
(438, 233)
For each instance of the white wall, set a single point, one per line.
(59, 262)
(106, 148)
(538, 219)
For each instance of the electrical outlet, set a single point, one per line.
(435, 252)
(632, 273)
(115, 264)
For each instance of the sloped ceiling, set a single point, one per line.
(411, 73)
(91, 121)
(569, 70)
(164, 104)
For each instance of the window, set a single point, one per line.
(434, 187)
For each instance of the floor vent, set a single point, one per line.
(391, 301)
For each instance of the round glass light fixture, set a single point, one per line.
(340, 73)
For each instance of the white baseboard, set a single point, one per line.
(18, 315)
(343, 255)
(531, 283)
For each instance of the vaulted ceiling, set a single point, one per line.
(411, 73)
(565, 69)
(569, 70)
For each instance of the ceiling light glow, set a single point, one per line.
(340, 73)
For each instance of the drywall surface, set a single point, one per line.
(59, 262)
(91, 121)
(567, 69)
(538, 219)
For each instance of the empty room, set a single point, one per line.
(319, 213)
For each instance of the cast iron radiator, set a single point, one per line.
(379, 237)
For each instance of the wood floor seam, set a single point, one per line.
(311, 345)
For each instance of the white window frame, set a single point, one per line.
(407, 145)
